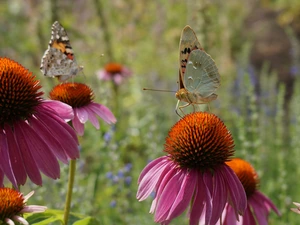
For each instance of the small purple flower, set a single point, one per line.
(128, 180)
(80, 97)
(115, 72)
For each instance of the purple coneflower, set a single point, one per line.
(80, 97)
(33, 133)
(13, 205)
(193, 173)
(115, 72)
(258, 205)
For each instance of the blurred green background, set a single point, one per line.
(255, 45)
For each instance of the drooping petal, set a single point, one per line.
(259, 197)
(43, 156)
(20, 220)
(248, 218)
(49, 139)
(185, 194)
(237, 193)
(5, 163)
(168, 173)
(199, 201)
(15, 156)
(149, 180)
(29, 162)
(62, 109)
(168, 196)
(103, 112)
(93, 118)
(78, 126)
(81, 114)
(208, 182)
(219, 196)
(62, 132)
(150, 166)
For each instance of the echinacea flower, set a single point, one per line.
(296, 210)
(258, 205)
(33, 132)
(114, 71)
(13, 204)
(80, 97)
(193, 173)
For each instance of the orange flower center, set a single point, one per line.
(199, 140)
(18, 92)
(12, 202)
(113, 68)
(246, 173)
(73, 94)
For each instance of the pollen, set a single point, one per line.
(246, 174)
(73, 94)
(199, 140)
(19, 92)
(113, 68)
(12, 202)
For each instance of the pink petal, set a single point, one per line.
(58, 149)
(236, 190)
(168, 196)
(118, 79)
(103, 75)
(260, 210)
(78, 126)
(208, 182)
(16, 160)
(103, 112)
(185, 194)
(149, 181)
(81, 114)
(93, 118)
(199, 201)
(63, 110)
(219, 196)
(5, 163)
(248, 218)
(258, 196)
(168, 173)
(29, 162)
(41, 153)
(62, 132)
(150, 166)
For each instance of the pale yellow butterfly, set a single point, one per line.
(198, 74)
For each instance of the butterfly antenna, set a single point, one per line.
(150, 89)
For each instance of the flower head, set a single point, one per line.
(13, 205)
(33, 133)
(114, 71)
(193, 173)
(258, 205)
(80, 97)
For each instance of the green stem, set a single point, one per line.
(72, 169)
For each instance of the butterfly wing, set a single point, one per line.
(59, 60)
(56, 64)
(201, 75)
(188, 43)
